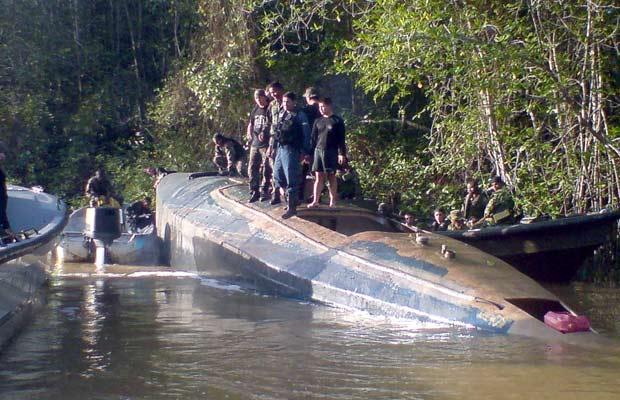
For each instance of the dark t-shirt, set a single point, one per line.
(328, 134)
(261, 123)
(312, 113)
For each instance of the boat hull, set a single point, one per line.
(207, 226)
(24, 266)
(548, 251)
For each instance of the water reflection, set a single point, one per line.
(131, 334)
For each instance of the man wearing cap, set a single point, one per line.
(258, 134)
(5, 227)
(457, 222)
(229, 155)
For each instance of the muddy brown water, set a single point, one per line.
(146, 333)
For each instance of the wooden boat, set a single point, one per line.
(131, 248)
(37, 218)
(347, 257)
(548, 251)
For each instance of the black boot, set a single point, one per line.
(276, 198)
(291, 209)
(254, 197)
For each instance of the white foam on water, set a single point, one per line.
(160, 274)
(390, 322)
(214, 283)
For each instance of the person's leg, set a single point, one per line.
(267, 174)
(254, 169)
(333, 189)
(305, 168)
(292, 170)
(319, 183)
(4, 220)
(274, 187)
(279, 178)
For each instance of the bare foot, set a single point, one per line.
(313, 205)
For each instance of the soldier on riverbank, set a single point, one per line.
(440, 222)
(501, 206)
(276, 109)
(258, 133)
(474, 203)
(99, 190)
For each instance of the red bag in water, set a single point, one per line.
(566, 322)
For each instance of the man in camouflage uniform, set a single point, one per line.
(229, 155)
(259, 169)
(501, 206)
(99, 189)
(276, 91)
(457, 221)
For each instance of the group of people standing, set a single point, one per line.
(287, 140)
(480, 208)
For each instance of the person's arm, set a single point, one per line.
(249, 130)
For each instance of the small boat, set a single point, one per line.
(347, 257)
(139, 247)
(37, 219)
(549, 250)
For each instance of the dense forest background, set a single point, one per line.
(432, 91)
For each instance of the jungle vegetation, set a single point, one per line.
(436, 91)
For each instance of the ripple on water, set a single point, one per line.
(167, 336)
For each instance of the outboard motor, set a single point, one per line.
(102, 225)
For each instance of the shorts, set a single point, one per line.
(325, 161)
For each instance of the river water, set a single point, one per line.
(130, 333)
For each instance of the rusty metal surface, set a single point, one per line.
(208, 226)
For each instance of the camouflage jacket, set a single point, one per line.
(231, 150)
(500, 208)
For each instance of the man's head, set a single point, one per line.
(276, 90)
(409, 219)
(288, 101)
(472, 186)
(440, 215)
(218, 139)
(325, 107)
(497, 183)
(99, 173)
(311, 95)
(261, 99)
(150, 171)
